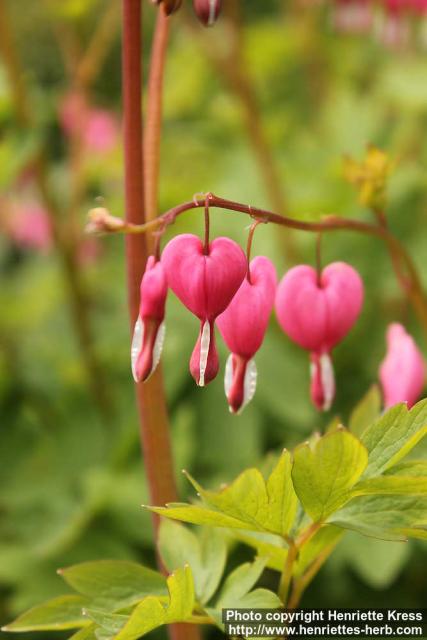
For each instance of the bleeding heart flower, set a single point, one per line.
(243, 325)
(205, 283)
(149, 333)
(317, 313)
(403, 370)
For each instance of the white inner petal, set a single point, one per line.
(204, 352)
(211, 18)
(137, 341)
(328, 380)
(249, 388)
(228, 378)
(158, 346)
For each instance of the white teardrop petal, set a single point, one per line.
(251, 375)
(228, 377)
(327, 377)
(158, 346)
(137, 341)
(204, 352)
(212, 11)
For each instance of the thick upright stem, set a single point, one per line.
(154, 426)
(150, 396)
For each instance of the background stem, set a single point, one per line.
(153, 120)
(78, 296)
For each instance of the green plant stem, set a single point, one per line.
(286, 577)
(403, 265)
(301, 584)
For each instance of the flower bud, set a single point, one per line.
(149, 333)
(207, 11)
(100, 220)
(317, 312)
(403, 370)
(205, 283)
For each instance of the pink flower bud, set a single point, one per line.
(207, 11)
(319, 314)
(243, 325)
(205, 283)
(149, 333)
(403, 371)
(100, 220)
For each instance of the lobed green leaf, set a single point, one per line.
(324, 473)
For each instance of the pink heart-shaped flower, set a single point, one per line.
(317, 314)
(205, 282)
(243, 325)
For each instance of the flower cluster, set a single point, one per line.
(218, 284)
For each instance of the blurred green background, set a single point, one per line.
(71, 478)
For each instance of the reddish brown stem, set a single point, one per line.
(151, 402)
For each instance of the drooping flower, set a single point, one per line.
(243, 325)
(205, 282)
(149, 332)
(403, 370)
(317, 312)
(207, 11)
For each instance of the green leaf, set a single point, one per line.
(239, 583)
(377, 562)
(85, 633)
(152, 613)
(283, 501)
(64, 612)
(268, 546)
(392, 485)
(236, 592)
(368, 410)
(391, 437)
(384, 517)
(198, 514)
(114, 584)
(205, 552)
(324, 474)
(110, 622)
(411, 468)
(248, 503)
